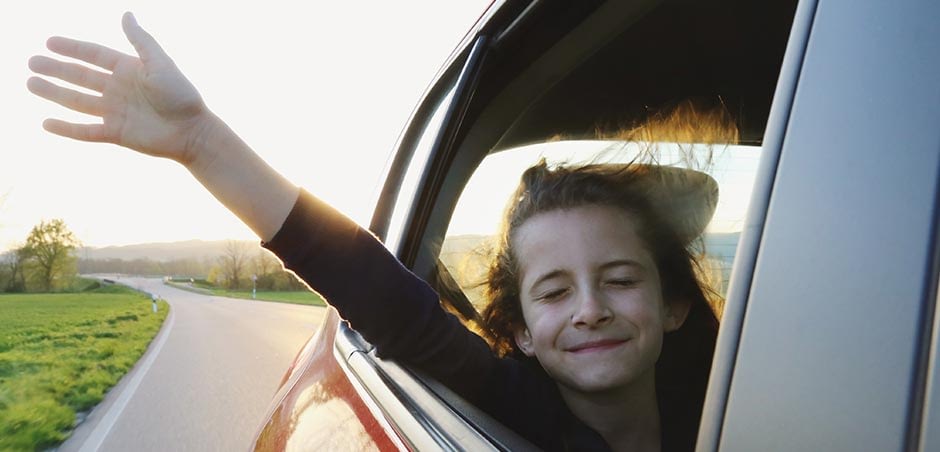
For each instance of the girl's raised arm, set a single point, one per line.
(146, 104)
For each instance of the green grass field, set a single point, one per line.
(60, 353)
(308, 298)
(297, 297)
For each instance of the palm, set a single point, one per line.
(149, 109)
(146, 103)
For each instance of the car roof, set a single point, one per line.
(562, 79)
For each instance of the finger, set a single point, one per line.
(70, 72)
(83, 132)
(146, 46)
(69, 98)
(88, 52)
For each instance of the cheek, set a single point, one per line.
(646, 309)
(544, 322)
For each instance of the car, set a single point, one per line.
(824, 243)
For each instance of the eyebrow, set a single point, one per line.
(622, 263)
(546, 277)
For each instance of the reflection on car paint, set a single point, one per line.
(319, 409)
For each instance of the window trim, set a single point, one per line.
(742, 270)
(441, 153)
(417, 409)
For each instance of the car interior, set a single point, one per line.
(715, 56)
(563, 81)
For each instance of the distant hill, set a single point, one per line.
(454, 251)
(163, 252)
(721, 245)
(466, 258)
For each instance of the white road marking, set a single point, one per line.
(96, 438)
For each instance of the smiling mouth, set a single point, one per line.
(594, 346)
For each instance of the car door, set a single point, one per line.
(535, 83)
(827, 334)
(826, 339)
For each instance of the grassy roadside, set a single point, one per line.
(60, 353)
(308, 298)
(298, 297)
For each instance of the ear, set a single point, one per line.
(524, 341)
(676, 313)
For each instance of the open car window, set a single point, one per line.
(467, 246)
(560, 81)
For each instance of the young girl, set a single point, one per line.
(602, 333)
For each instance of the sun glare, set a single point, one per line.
(319, 89)
(483, 200)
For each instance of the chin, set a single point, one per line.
(600, 383)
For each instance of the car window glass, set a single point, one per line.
(416, 168)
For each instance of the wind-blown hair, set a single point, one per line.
(685, 360)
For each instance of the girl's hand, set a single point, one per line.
(145, 104)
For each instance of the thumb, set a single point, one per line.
(149, 51)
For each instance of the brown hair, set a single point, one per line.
(685, 360)
(544, 189)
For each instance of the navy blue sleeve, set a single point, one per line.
(401, 316)
(387, 304)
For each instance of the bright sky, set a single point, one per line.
(320, 89)
(734, 168)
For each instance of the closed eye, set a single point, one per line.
(552, 295)
(623, 282)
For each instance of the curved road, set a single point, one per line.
(207, 379)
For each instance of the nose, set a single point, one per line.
(591, 310)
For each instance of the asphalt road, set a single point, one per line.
(206, 381)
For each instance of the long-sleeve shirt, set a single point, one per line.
(401, 315)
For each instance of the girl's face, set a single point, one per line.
(591, 298)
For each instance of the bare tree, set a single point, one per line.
(265, 262)
(14, 276)
(17, 266)
(234, 262)
(266, 267)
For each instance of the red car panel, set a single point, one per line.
(318, 408)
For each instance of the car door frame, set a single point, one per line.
(789, 373)
(724, 418)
